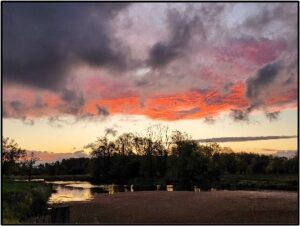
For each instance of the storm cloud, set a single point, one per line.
(263, 78)
(42, 41)
(164, 61)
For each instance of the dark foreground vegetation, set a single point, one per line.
(22, 200)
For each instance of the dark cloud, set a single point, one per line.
(239, 115)
(271, 14)
(209, 120)
(181, 29)
(17, 106)
(15, 109)
(41, 41)
(49, 157)
(39, 103)
(73, 102)
(272, 116)
(111, 131)
(29, 122)
(183, 26)
(102, 111)
(239, 139)
(264, 77)
(55, 121)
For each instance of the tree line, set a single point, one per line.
(157, 156)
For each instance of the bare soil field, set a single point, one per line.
(217, 207)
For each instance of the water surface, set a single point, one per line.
(69, 191)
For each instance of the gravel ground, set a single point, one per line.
(218, 207)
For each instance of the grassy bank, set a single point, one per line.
(259, 182)
(21, 200)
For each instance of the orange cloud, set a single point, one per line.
(186, 105)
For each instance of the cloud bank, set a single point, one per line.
(49, 157)
(189, 61)
(241, 139)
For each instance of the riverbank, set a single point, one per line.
(287, 182)
(219, 207)
(22, 200)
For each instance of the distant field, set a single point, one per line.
(220, 207)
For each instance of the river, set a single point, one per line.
(67, 191)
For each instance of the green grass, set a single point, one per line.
(21, 200)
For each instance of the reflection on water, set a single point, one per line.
(65, 194)
(67, 191)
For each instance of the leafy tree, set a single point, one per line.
(11, 156)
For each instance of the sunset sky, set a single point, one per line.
(75, 71)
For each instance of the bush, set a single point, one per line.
(22, 200)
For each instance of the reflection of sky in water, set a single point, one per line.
(68, 194)
(69, 191)
(75, 184)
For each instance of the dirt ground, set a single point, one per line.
(218, 207)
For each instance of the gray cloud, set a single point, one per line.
(209, 120)
(188, 112)
(73, 102)
(272, 116)
(181, 29)
(48, 157)
(17, 106)
(286, 154)
(16, 109)
(239, 115)
(55, 121)
(41, 41)
(102, 111)
(272, 15)
(281, 153)
(111, 131)
(195, 20)
(264, 77)
(240, 139)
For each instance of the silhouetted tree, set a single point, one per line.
(11, 156)
(28, 164)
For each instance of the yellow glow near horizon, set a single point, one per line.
(73, 136)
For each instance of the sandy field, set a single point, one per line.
(218, 207)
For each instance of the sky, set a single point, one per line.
(75, 71)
